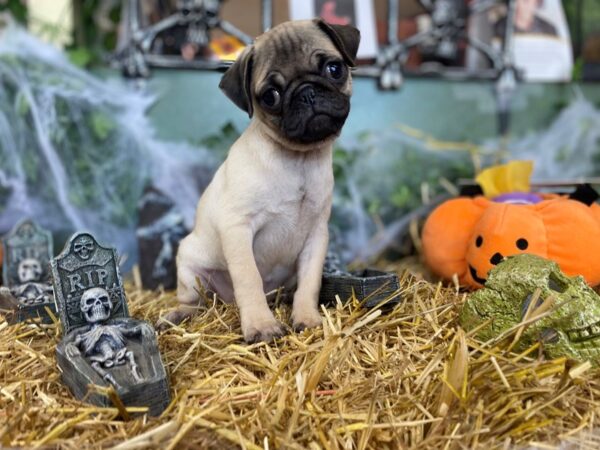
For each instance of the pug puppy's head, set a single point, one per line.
(296, 80)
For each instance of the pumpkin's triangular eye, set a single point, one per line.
(584, 193)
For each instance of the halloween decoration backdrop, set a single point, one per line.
(78, 150)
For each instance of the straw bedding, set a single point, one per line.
(408, 378)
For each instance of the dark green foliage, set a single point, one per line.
(221, 141)
(583, 17)
(16, 8)
(93, 43)
(386, 174)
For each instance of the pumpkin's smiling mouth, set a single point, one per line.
(475, 277)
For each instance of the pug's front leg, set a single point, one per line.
(305, 311)
(257, 320)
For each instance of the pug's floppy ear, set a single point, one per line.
(345, 37)
(237, 79)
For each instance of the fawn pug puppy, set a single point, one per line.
(262, 221)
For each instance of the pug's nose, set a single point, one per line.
(307, 95)
(496, 258)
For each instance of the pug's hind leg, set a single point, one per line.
(188, 294)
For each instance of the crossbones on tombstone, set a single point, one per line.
(33, 293)
(104, 344)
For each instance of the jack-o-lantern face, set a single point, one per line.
(467, 237)
(503, 230)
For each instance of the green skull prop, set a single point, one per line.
(572, 329)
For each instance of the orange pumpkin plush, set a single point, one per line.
(468, 236)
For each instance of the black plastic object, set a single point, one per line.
(373, 285)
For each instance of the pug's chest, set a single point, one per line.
(286, 224)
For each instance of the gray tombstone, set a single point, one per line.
(27, 291)
(372, 287)
(160, 229)
(102, 345)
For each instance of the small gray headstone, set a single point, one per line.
(102, 345)
(26, 272)
(160, 229)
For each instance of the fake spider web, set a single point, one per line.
(76, 152)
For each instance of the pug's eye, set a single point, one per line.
(334, 70)
(271, 97)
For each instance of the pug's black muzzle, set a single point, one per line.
(314, 111)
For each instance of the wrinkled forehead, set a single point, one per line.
(291, 47)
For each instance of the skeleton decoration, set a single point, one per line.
(569, 326)
(102, 344)
(27, 292)
(142, 47)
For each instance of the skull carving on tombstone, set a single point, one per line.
(83, 247)
(29, 270)
(96, 305)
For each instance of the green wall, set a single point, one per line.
(190, 106)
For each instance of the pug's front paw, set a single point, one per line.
(262, 329)
(306, 318)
